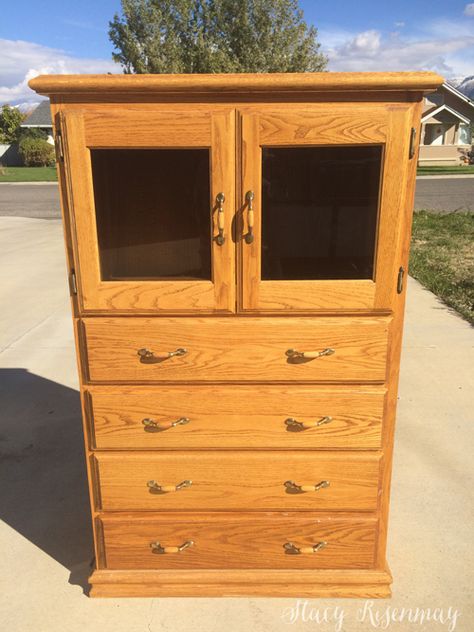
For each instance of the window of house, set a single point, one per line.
(464, 137)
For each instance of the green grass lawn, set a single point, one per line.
(433, 171)
(442, 257)
(28, 174)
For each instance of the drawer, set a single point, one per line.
(238, 416)
(237, 480)
(236, 349)
(234, 540)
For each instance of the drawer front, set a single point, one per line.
(229, 540)
(233, 480)
(243, 416)
(236, 349)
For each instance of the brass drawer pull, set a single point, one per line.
(220, 199)
(148, 356)
(292, 549)
(293, 488)
(249, 197)
(151, 425)
(157, 547)
(156, 488)
(293, 354)
(294, 424)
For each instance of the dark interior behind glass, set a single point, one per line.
(319, 212)
(153, 213)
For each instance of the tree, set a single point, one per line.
(10, 120)
(36, 152)
(208, 36)
(32, 132)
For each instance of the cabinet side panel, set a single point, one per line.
(395, 340)
(71, 260)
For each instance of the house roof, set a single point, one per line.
(432, 113)
(40, 117)
(459, 94)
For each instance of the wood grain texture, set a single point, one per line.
(235, 83)
(361, 583)
(238, 541)
(237, 349)
(392, 202)
(320, 124)
(236, 480)
(298, 297)
(323, 590)
(65, 209)
(408, 177)
(236, 416)
(354, 108)
(155, 129)
(127, 127)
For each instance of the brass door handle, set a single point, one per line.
(249, 198)
(220, 199)
(149, 356)
(157, 547)
(292, 487)
(294, 424)
(308, 355)
(292, 549)
(151, 425)
(156, 488)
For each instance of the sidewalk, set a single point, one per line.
(44, 521)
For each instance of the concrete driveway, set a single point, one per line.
(45, 535)
(42, 200)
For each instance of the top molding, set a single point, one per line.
(311, 83)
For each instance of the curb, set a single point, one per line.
(446, 176)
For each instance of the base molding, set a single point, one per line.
(362, 584)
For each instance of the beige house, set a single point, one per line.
(446, 127)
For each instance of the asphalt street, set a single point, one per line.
(444, 194)
(38, 201)
(41, 201)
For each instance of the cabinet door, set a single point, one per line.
(145, 183)
(328, 187)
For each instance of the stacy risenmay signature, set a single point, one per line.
(375, 616)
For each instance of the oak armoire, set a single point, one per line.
(237, 250)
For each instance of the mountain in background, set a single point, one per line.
(464, 85)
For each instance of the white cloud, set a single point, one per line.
(469, 10)
(20, 61)
(365, 44)
(399, 25)
(446, 48)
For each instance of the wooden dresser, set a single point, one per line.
(237, 250)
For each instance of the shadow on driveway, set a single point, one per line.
(43, 494)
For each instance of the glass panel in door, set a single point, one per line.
(320, 208)
(152, 194)
(319, 212)
(152, 213)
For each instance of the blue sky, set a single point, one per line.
(51, 36)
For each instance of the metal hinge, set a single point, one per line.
(72, 282)
(411, 152)
(401, 273)
(58, 142)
